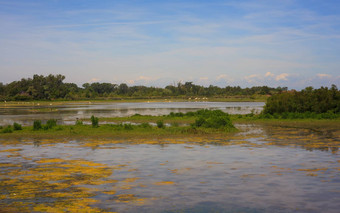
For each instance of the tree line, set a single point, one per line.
(52, 87)
(309, 100)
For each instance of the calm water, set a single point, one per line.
(260, 169)
(67, 114)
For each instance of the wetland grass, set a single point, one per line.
(206, 122)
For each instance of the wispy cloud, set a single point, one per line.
(282, 77)
(239, 42)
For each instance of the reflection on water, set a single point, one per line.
(67, 114)
(264, 170)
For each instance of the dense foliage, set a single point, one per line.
(309, 102)
(52, 87)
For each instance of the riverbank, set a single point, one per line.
(173, 128)
(130, 100)
(112, 131)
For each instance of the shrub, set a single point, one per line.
(17, 126)
(37, 125)
(160, 124)
(94, 121)
(215, 119)
(51, 123)
(8, 129)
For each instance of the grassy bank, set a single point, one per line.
(202, 122)
(111, 131)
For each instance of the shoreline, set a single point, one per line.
(120, 131)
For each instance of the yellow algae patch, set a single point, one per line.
(179, 171)
(10, 150)
(58, 180)
(51, 160)
(174, 170)
(130, 180)
(280, 168)
(162, 183)
(126, 187)
(109, 192)
(313, 170)
(71, 206)
(9, 165)
(126, 198)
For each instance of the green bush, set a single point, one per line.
(215, 119)
(37, 125)
(17, 126)
(51, 123)
(94, 121)
(8, 129)
(160, 124)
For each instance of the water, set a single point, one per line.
(68, 113)
(260, 169)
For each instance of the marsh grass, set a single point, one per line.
(8, 129)
(17, 126)
(112, 131)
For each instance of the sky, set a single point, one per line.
(293, 43)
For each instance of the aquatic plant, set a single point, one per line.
(160, 124)
(37, 125)
(17, 126)
(50, 124)
(94, 121)
(8, 129)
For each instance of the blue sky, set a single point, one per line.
(294, 43)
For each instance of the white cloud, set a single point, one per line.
(94, 80)
(282, 76)
(252, 78)
(269, 74)
(320, 75)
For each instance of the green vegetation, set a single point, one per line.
(52, 87)
(213, 121)
(50, 124)
(310, 102)
(94, 121)
(8, 129)
(37, 125)
(17, 126)
(79, 122)
(160, 124)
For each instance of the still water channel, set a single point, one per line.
(68, 113)
(259, 169)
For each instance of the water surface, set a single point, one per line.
(68, 113)
(259, 169)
